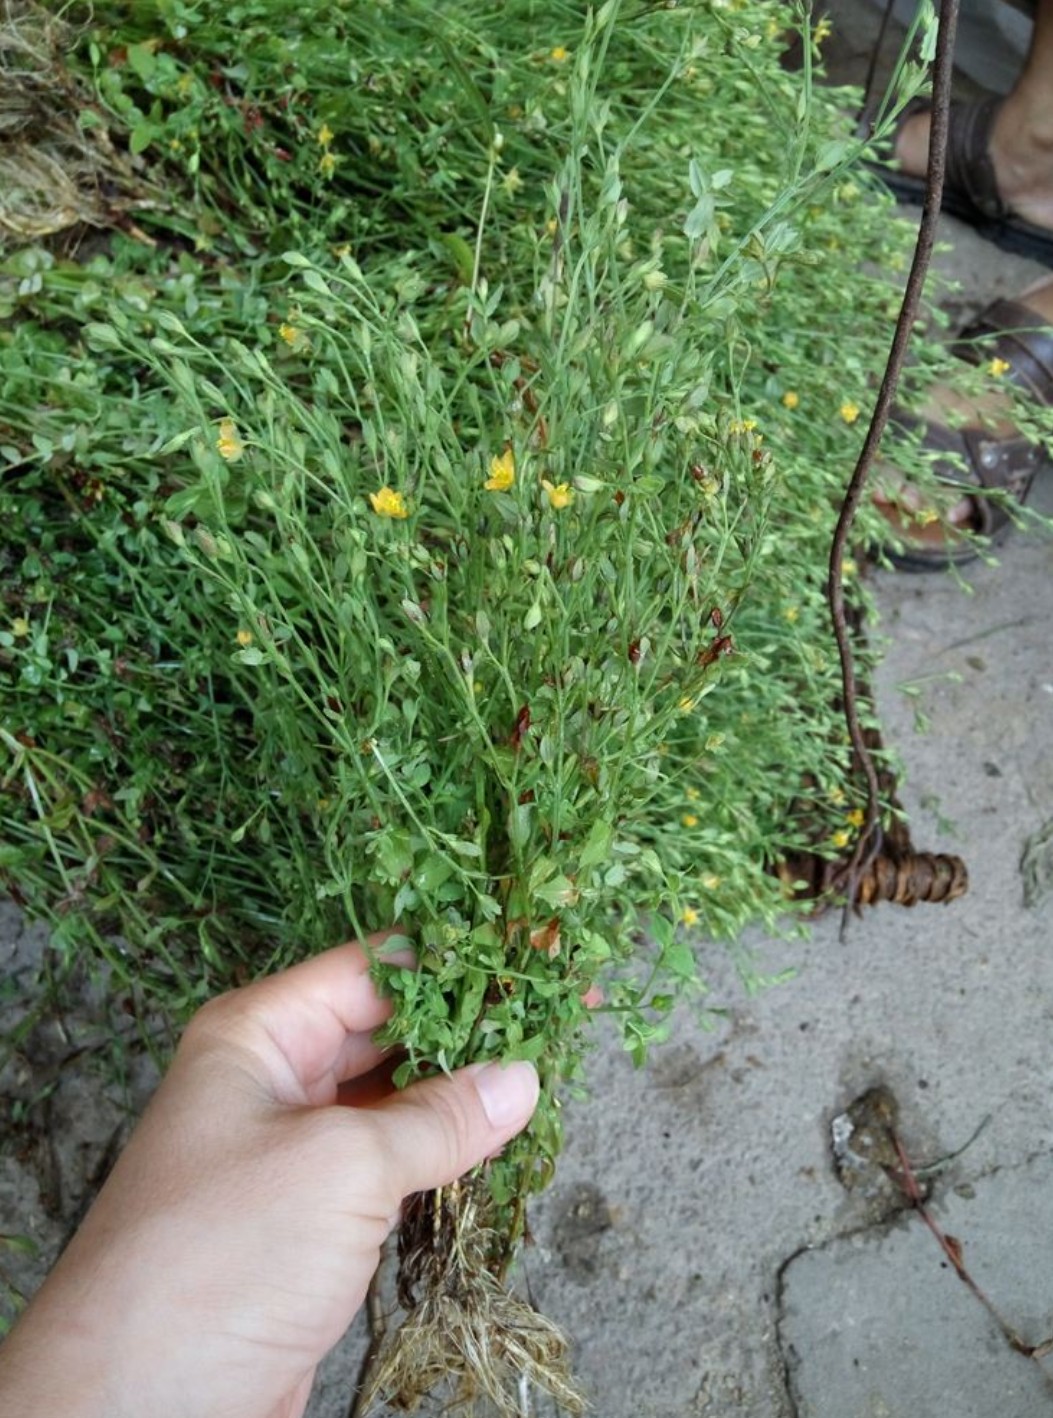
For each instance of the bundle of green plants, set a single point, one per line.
(460, 567)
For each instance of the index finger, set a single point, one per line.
(307, 1028)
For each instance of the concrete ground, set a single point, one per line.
(721, 1238)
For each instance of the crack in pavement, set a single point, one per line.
(790, 1360)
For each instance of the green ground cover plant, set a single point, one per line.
(416, 511)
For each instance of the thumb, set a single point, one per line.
(438, 1129)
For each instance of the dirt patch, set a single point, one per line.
(583, 1218)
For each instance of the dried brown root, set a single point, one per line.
(905, 880)
(897, 872)
(55, 171)
(465, 1333)
(923, 876)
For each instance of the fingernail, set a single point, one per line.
(508, 1092)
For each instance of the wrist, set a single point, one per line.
(49, 1368)
(68, 1355)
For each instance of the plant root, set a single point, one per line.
(894, 870)
(55, 170)
(905, 879)
(464, 1331)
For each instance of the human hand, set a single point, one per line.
(236, 1237)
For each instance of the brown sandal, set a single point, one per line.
(970, 190)
(1009, 332)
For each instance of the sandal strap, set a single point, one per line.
(1018, 335)
(1009, 463)
(969, 167)
(989, 463)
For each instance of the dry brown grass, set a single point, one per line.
(465, 1335)
(55, 172)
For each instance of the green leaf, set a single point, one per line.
(700, 218)
(530, 1049)
(597, 846)
(557, 893)
(679, 959)
(172, 323)
(142, 60)
(186, 500)
(394, 853)
(177, 441)
(432, 872)
(101, 337)
(463, 848)
(143, 134)
(519, 825)
(23, 1244)
(832, 154)
(462, 254)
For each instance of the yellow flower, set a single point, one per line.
(511, 181)
(791, 613)
(822, 30)
(837, 796)
(742, 425)
(849, 568)
(692, 795)
(686, 704)
(389, 503)
(849, 411)
(559, 54)
(244, 637)
(689, 819)
(325, 135)
(689, 916)
(502, 472)
(327, 164)
(997, 367)
(856, 817)
(841, 838)
(791, 399)
(559, 496)
(20, 627)
(289, 333)
(551, 225)
(228, 443)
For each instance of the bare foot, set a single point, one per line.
(903, 506)
(1021, 150)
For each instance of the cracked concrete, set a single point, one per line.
(887, 1293)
